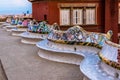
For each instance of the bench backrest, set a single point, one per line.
(78, 34)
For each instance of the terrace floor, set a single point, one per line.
(2, 73)
(21, 62)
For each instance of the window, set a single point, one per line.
(77, 14)
(119, 13)
(65, 16)
(119, 16)
(90, 15)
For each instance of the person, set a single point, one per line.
(19, 21)
(16, 20)
(25, 22)
(35, 26)
(8, 20)
(12, 21)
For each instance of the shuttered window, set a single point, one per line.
(90, 16)
(77, 16)
(64, 16)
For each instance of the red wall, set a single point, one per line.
(34, 10)
(53, 12)
(51, 9)
(119, 29)
(39, 10)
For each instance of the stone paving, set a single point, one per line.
(2, 73)
(21, 62)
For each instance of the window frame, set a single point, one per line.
(73, 6)
(61, 17)
(72, 15)
(89, 17)
(119, 14)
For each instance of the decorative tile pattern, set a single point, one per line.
(77, 34)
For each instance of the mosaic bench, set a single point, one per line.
(110, 55)
(103, 66)
(10, 27)
(78, 36)
(98, 59)
(36, 33)
(1, 23)
(73, 41)
(17, 31)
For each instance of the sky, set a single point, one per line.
(15, 6)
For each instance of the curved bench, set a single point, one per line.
(91, 66)
(77, 47)
(10, 27)
(110, 55)
(1, 23)
(76, 34)
(18, 31)
(63, 53)
(32, 38)
(5, 24)
(105, 65)
(57, 48)
(36, 33)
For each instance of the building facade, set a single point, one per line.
(92, 15)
